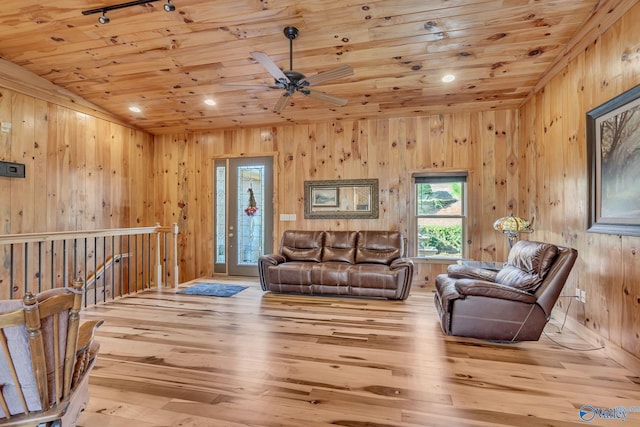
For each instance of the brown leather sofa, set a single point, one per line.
(355, 263)
(512, 304)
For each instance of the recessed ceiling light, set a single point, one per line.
(447, 78)
(210, 102)
(135, 109)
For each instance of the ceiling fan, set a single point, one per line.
(293, 81)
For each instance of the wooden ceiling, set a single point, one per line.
(169, 63)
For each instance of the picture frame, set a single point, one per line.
(324, 197)
(341, 199)
(613, 165)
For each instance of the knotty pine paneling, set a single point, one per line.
(387, 149)
(553, 176)
(82, 173)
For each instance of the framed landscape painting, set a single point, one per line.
(613, 164)
(327, 196)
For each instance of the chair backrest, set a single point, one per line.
(539, 268)
(556, 277)
(527, 265)
(38, 341)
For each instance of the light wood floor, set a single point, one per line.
(260, 359)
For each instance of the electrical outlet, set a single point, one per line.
(578, 294)
(583, 296)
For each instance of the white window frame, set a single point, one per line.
(439, 176)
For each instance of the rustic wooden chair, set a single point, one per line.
(45, 358)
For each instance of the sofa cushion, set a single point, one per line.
(340, 246)
(373, 276)
(291, 273)
(330, 273)
(302, 245)
(527, 265)
(380, 247)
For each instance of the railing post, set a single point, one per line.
(158, 264)
(175, 255)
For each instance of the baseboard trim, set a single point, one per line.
(612, 350)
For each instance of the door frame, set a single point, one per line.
(269, 239)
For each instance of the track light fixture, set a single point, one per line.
(104, 19)
(169, 7)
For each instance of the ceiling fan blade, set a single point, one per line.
(270, 66)
(324, 76)
(282, 102)
(334, 100)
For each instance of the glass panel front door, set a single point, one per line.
(248, 220)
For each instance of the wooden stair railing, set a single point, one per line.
(95, 276)
(122, 260)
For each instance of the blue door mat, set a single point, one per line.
(212, 290)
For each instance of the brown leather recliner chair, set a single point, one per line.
(512, 304)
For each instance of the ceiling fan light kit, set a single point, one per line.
(292, 81)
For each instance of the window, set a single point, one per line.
(440, 216)
(220, 209)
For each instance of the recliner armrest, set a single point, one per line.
(471, 287)
(461, 271)
(401, 263)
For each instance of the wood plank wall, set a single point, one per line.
(82, 172)
(553, 171)
(388, 149)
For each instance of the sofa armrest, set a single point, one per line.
(405, 265)
(264, 262)
(483, 288)
(272, 259)
(401, 263)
